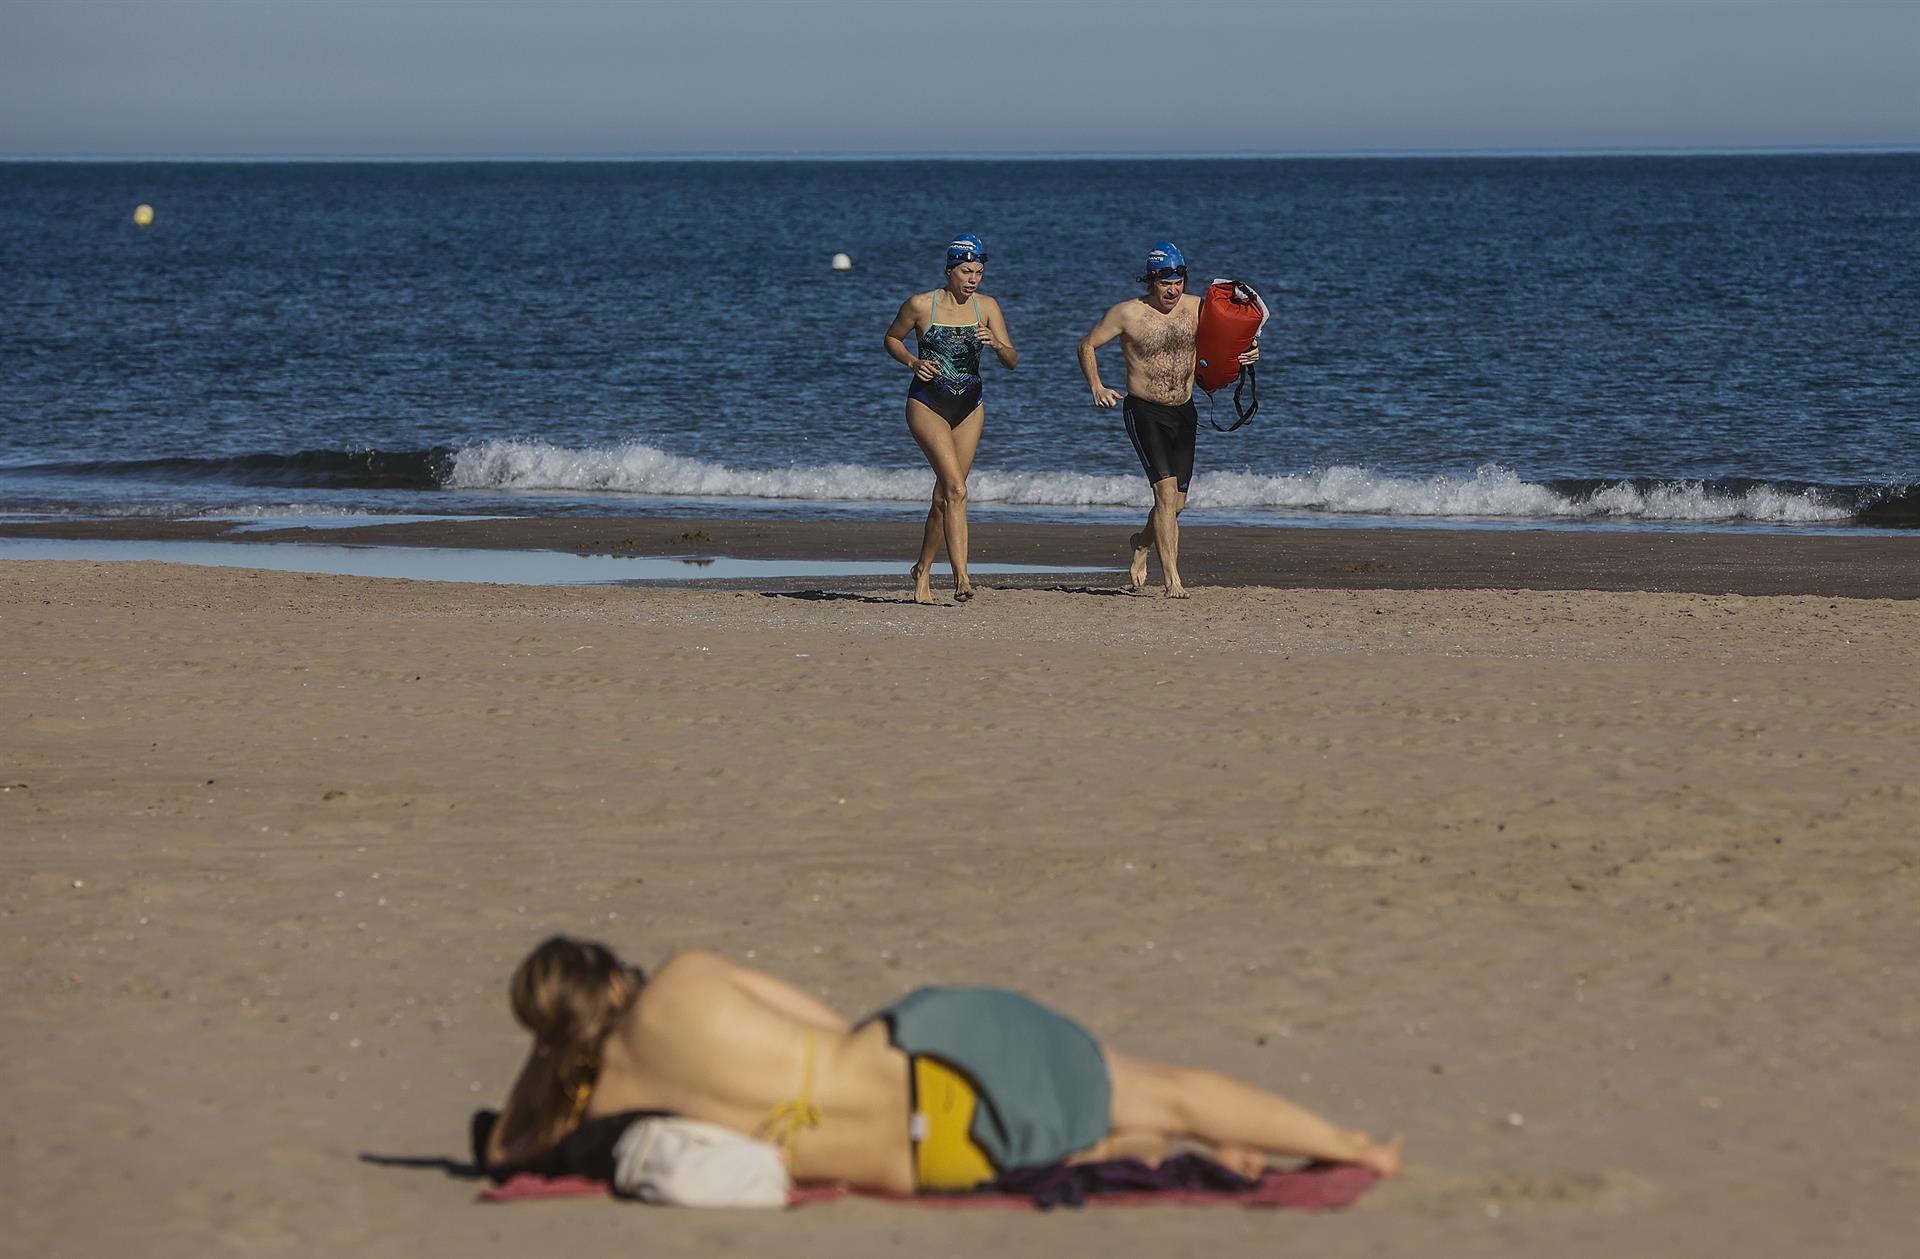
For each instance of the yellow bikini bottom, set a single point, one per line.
(945, 1158)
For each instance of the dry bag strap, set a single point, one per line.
(1250, 382)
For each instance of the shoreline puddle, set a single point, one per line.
(489, 567)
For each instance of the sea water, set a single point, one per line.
(1655, 341)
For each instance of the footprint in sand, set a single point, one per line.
(1609, 1191)
(1353, 855)
(53, 725)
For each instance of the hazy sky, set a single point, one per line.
(392, 77)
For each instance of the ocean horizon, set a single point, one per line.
(991, 155)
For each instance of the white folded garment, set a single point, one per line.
(691, 1163)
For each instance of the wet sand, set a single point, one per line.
(1605, 898)
(1874, 566)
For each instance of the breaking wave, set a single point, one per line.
(1491, 492)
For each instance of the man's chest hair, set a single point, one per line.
(1155, 334)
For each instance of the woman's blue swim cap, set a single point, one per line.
(965, 247)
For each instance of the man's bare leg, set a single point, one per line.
(1168, 502)
(1233, 1116)
(1142, 544)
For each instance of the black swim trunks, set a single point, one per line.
(1163, 438)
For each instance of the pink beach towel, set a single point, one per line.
(1321, 1187)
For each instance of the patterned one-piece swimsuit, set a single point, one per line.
(955, 392)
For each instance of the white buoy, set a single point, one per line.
(842, 263)
(143, 216)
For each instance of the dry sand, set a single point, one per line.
(1606, 899)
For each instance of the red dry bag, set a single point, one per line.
(1231, 316)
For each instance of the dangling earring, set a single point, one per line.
(580, 1096)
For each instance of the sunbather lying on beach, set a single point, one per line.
(939, 1091)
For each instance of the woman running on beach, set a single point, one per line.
(955, 322)
(940, 1091)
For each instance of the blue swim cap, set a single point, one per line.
(965, 247)
(1165, 260)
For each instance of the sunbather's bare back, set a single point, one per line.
(711, 1040)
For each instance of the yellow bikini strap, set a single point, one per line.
(785, 1122)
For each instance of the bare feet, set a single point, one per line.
(1383, 1159)
(963, 594)
(1243, 1159)
(1174, 589)
(922, 585)
(1142, 544)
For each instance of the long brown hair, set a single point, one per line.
(564, 994)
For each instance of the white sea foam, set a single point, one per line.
(264, 511)
(1492, 491)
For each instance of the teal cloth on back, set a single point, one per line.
(1041, 1077)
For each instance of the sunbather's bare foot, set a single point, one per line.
(1384, 1159)
(963, 592)
(922, 585)
(1174, 589)
(1243, 1159)
(1142, 544)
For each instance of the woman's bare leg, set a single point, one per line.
(950, 451)
(1149, 1147)
(930, 434)
(929, 547)
(966, 443)
(1233, 1115)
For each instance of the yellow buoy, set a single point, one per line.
(143, 216)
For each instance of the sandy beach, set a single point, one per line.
(1603, 896)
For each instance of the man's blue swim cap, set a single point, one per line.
(1164, 260)
(965, 247)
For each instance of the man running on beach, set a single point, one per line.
(1156, 331)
